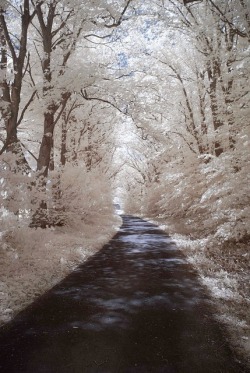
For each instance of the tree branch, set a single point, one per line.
(29, 152)
(86, 97)
(7, 37)
(224, 18)
(26, 107)
(64, 103)
(115, 24)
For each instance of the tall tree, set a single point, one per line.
(11, 89)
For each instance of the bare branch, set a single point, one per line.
(64, 102)
(62, 24)
(115, 24)
(226, 20)
(97, 36)
(186, 141)
(27, 64)
(29, 151)
(86, 97)
(25, 108)
(7, 36)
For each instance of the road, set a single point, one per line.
(136, 306)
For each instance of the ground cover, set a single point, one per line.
(224, 269)
(34, 260)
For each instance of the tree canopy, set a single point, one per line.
(132, 91)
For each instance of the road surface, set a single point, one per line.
(136, 306)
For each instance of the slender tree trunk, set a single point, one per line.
(227, 87)
(201, 95)
(217, 123)
(63, 139)
(190, 119)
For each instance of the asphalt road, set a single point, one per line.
(136, 306)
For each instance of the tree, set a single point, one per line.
(11, 89)
(194, 100)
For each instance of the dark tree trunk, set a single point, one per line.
(46, 145)
(63, 140)
(11, 93)
(217, 123)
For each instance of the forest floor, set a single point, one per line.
(224, 270)
(34, 260)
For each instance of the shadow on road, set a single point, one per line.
(136, 306)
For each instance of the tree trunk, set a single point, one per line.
(202, 108)
(63, 139)
(46, 145)
(11, 93)
(217, 123)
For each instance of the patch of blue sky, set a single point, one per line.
(122, 60)
(149, 29)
